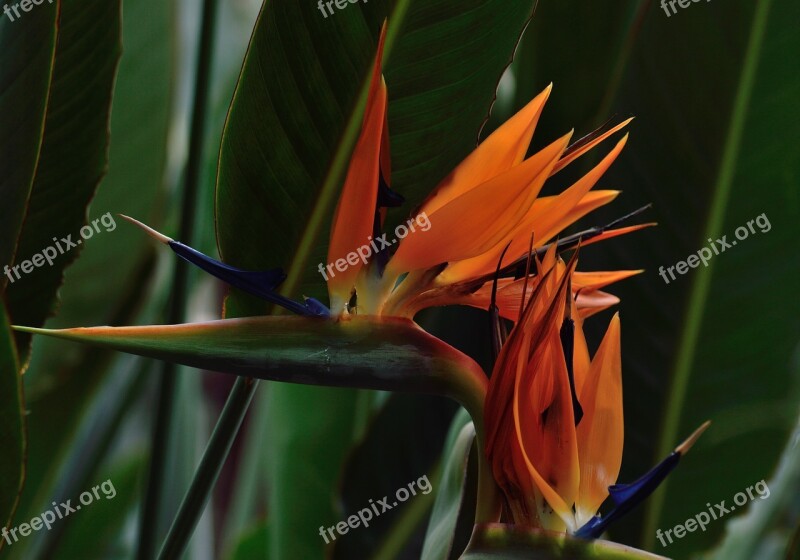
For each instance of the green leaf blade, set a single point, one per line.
(28, 45)
(73, 153)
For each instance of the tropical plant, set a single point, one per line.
(476, 301)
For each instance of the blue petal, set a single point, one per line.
(628, 496)
(261, 284)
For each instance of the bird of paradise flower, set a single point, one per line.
(549, 419)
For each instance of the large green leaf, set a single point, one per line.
(293, 122)
(28, 46)
(72, 157)
(735, 360)
(12, 431)
(105, 285)
(55, 135)
(712, 90)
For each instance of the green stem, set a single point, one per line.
(165, 419)
(487, 509)
(470, 391)
(210, 466)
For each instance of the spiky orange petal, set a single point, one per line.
(572, 155)
(355, 213)
(502, 150)
(601, 432)
(546, 218)
(479, 219)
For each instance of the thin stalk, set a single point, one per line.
(205, 478)
(165, 419)
(488, 505)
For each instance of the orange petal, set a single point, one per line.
(572, 155)
(611, 233)
(546, 218)
(355, 212)
(501, 384)
(477, 220)
(601, 431)
(544, 212)
(543, 405)
(580, 353)
(598, 280)
(561, 212)
(530, 446)
(502, 150)
(594, 301)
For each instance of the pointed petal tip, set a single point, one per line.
(160, 237)
(690, 441)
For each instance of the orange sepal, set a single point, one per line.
(476, 221)
(546, 218)
(573, 154)
(611, 233)
(355, 213)
(601, 431)
(502, 150)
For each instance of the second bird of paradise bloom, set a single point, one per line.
(552, 416)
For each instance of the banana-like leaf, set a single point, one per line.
(364, 352)
(72, 157)
(62, 377)
(506, 542)
(12, 431)
(28, 46)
